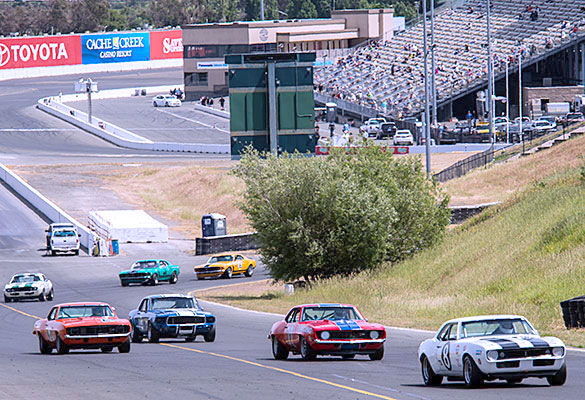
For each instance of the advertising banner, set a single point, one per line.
(115, 47)
(40, 51)
(166, 44)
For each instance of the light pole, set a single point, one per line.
(426, 113)
(262, 10)
(88, 86)
(490, 72)
(507, 105)
(433, 74)
(520, 97)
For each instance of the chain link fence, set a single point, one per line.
(462, 167)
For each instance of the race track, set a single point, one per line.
(238, 365)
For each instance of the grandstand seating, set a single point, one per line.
(389, 75)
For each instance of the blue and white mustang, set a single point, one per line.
(171, 316)
(491, 347)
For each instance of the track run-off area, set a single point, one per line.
(239, 364)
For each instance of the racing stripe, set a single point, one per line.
(537, 342)
(505, 344)
(352, 324)
(342, 325)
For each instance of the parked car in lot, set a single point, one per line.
(29, 286)
(90, 325)
(505, 347)
(171, 316)
(550, 118)
(542, 126)
(526, 122)
(387, 130)
(575, 117)
(326, 329)
(372, 126)
(150, 272)
(226, 265)
(165, 100)
(403, 137)
(62, 238)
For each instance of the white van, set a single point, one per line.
(62, 237)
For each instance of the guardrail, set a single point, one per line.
(218, 244)
(462, 167)
(114, 134)
(43, 205)
(346, 106)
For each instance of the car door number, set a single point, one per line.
(446, 357)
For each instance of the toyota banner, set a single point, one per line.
(46, 51)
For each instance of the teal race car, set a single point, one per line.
(150, 272)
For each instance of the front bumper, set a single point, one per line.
(184, 330)
(209, 274)
(34, 292)
(130, 279)
(351, 346)
(96, 341)
(525, 368)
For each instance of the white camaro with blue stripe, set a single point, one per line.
(476, 349)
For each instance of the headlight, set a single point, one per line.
(558, 351)
(374, 334)
(325, 335)
(492, 355)
(209, 319)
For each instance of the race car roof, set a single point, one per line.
(162, 296)
(325, 305)
(87, 303)
(484, 318)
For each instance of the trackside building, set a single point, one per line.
(205, 45)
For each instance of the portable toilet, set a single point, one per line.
(331, 112)
(213, 225)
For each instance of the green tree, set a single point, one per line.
(319, 217)
(89, 15)
(301, 9)
(169, 12)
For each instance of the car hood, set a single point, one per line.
(505, 342)
(180, 312)
(142, 270)
(22, 284)
(92, 321)
(343, 325)
(220, 264)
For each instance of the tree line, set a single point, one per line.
(65, 16)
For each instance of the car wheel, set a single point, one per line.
(559, 378)
(60, 346)
(154, 104)
(154, 280)
(471, 374)
(307, 353)
(51, 295)
(7, 299)
(429, 376)
(124, 347)
(199, 278)
(348, 356)
(173, 279)
(124, 283)
(107, 349)
(44, 347)
(153, 335)
(190, 338)
(249, 272)
(42, 296)
(228, 273)
(53, 253)
(378, 355)
(76, 252)
(279, 351)
(210, 337)
(136, 335)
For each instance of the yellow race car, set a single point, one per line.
(225, 266)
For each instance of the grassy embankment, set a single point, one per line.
(522, 257)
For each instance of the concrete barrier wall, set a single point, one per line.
(120, 137)
(22, 73)
(45, 206)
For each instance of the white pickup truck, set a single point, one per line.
(62, 237)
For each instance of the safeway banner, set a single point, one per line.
(166, 44)
(40, 51)
(115, 47)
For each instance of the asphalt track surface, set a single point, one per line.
(238, 364)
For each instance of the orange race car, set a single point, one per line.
(82, 326)
(226, 265)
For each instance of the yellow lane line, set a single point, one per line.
(20, 312)
(310, 378)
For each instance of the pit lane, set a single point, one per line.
(238, 364)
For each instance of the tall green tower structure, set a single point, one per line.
(271, 102)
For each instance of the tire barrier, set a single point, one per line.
(574, 312)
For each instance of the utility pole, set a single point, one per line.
(507, 105)
(490, 74)
(520, 98)
(262, 10)
(433, 67)
(426, 113)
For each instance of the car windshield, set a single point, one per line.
(144, 264)
(493, 327)
(84, 311)
(163, 303)
(25, 279)
(64, 233)
(330, 313)
(219, 259)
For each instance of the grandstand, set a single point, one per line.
(388, 76)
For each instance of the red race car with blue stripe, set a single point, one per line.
(326, 329)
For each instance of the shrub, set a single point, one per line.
(324, 216)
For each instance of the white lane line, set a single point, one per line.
(193, 120)
(381, 387)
